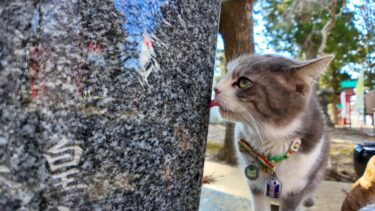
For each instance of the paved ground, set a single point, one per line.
(341, 152)
(212, 200)
(368, 130)
(230, 191)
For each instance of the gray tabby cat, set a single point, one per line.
(272, 100)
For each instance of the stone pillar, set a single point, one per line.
(104, 103)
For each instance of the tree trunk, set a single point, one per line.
(236, 27)
(227, 153)
(336, 99)
(311, 49)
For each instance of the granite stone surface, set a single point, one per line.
(104, 103)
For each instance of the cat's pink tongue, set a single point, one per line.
(213, 103)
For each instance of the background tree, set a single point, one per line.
(220, 66)
(236, 27)
(307, 29)
(367, 15)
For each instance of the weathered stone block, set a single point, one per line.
(104, 103)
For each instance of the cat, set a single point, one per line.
(272, 101)
(363, 190)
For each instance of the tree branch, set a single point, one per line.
(329, 26)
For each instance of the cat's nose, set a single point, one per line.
(217, 91)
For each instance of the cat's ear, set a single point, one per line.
(310, 70)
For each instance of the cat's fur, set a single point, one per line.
(279, 107)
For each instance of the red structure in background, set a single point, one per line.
(370, 105)
(345, 120)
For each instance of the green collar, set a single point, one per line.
(269, 163)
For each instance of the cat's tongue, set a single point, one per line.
(213, 103)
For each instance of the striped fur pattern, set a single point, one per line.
(272, 101)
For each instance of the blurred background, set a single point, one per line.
(304, 29)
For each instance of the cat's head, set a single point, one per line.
(267, 89)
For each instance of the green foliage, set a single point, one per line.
(346, 42)
(220, 69)
(296, 27)
(366, 13)
(301, 26)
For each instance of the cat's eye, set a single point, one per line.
(244, 83)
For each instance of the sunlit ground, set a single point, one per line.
(342, 139)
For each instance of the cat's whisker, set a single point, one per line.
(246, 115)
(250, 118)
(257, 129)
(255, 125)
(266, 97)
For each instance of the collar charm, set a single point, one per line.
(269, 163)
(252, 171)
(273, 188)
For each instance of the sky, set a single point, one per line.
(259, 38)
(261, 45)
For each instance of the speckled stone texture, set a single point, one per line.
(104, 103)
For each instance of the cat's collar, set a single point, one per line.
(269, 163)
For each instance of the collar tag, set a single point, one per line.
(295, 145)
(273, 188)
(269, 162)
(252, 171)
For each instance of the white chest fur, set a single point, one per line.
(293, 173)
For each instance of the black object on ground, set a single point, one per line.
(362, 154)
